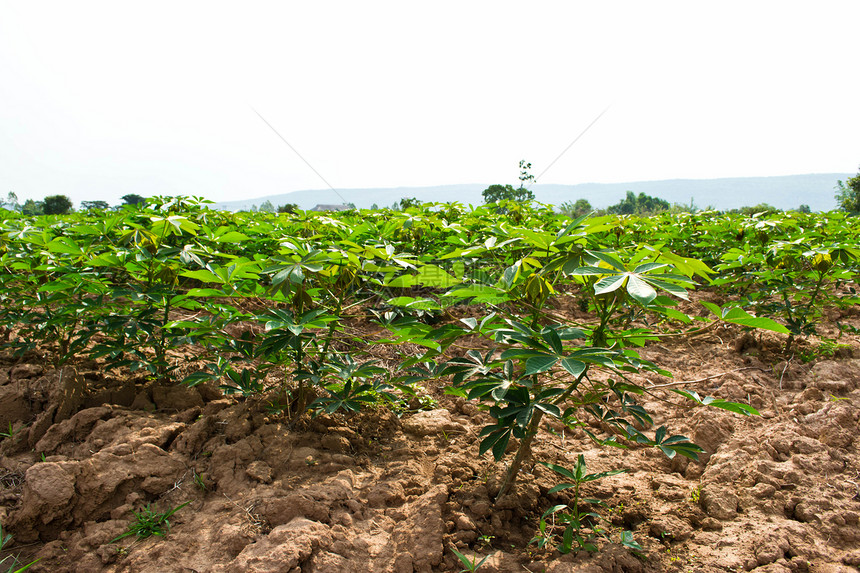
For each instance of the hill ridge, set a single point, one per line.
(782, 191)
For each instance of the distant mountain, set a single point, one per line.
(784, 192)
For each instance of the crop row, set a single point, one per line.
(131, 287)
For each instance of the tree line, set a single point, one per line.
(61, 204)
(847, 198)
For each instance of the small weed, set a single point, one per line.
(198, 481)
(847, 328)
(10, 564)
(428, 402)
(827, 349)
(413, 402)
(276, 408)
(311, 461)
(469, 566)
(580, 527)
(10, 433)
(486, 540)
(696, 494)
(149, 522)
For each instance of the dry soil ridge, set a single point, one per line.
(385, 494)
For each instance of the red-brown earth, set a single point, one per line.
(376, 492)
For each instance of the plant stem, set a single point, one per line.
(522, 452)
(571, 388)
(811, 302)
(599, 336)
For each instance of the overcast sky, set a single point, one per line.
(100, 99)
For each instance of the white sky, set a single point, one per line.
(100, 99)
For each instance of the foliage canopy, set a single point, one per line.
(133, 199)
(57, 205)
(641, 204)
(848, 194)
(498, 193)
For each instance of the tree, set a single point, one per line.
(525, 175)
(31, 207)
(848, 194)
(11, 202)
(496, 193)
(94, 205)
(267, 207)
(578, 209)
(756, 209)
(374, 207)
(626, 206)
(133, 199)
(288, 208)
(804, 209)
(57, 205)
(407, 202)
(641, 205)
(647, 204)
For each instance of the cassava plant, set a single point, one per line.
(579, 519)
(576, 375)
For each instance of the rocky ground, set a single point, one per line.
(84, 448)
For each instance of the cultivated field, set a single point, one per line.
(183, 389)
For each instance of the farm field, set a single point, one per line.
(183, 389)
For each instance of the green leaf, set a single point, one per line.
(675, 314)
(538, 364)
(717, 403)
(203, 275)
(573, 366)
(434, 276)
(560, 470)
(645, 267)
(609, 284)
(712, 307)
(640, 290)
(738, 316)
(587, 270)
(555, 508)
(552, 338)
(232, 237)
(501, 445)
(672, 288)
(687, 266)
(628, 541)
(206, 292)
(65, 245)
(735, 407)
(601, 475)
(403, 281)
(609, 260)
(561, 487)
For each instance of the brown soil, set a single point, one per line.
(377, 493)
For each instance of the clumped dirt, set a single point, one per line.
(380, 493)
